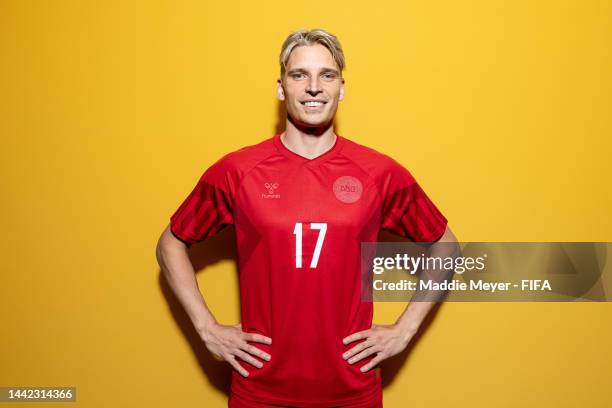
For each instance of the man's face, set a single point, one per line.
(312, 86)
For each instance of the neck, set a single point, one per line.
(308, 142)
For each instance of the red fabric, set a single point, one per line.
(265, 190)
(236, 401)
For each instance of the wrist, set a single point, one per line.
(406, 329)
(205, 327)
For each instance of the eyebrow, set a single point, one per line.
(302, 70)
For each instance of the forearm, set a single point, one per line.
(413, 315)
(178, 270)
(415, 312)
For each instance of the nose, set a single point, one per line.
(313, 86)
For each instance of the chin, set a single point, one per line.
(314, 121)
(309, 121)
(315, 124)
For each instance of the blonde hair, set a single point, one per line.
(311, 37)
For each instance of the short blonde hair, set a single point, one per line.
(311, 37)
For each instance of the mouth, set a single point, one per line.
(313, 105)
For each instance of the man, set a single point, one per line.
(302, 202)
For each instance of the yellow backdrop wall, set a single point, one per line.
(111, 111)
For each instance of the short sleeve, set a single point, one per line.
(208, 208)
(407, 211)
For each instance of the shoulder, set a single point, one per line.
(240, 161)
(227, 171)
(374, 162)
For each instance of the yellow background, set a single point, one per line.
(111, 110)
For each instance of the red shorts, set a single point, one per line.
(237, 402)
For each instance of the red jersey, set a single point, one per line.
(299, 226)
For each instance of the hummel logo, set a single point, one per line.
(270, 187)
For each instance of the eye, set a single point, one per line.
(329, 76)
(297, 76)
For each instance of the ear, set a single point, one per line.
(342, 90)
(280, 93)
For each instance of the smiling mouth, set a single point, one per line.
(313, 104)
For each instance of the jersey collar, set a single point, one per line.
(331, 152)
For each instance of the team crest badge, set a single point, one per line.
(348, 189)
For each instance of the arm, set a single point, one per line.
(226, 342)
(389, 340)
(415, 312)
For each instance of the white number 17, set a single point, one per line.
(297, 231)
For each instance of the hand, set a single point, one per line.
(229, 342)
(384, 340)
